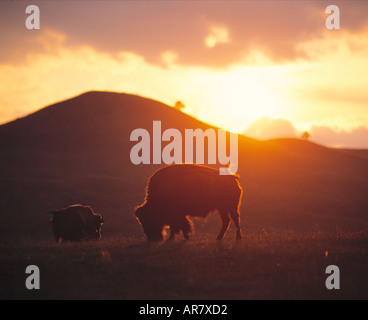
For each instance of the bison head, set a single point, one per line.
(152, 228)
(93, 227)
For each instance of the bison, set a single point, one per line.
(76, 223)
(180, 190)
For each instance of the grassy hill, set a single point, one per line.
(77, 151)
(304, 207)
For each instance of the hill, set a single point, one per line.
(78, 151)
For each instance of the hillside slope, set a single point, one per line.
(77, 151)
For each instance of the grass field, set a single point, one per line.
(261, 266)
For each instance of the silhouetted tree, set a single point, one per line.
(305, 135)
(179, 105)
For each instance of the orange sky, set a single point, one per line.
(265, 68)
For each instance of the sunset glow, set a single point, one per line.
(321, 88)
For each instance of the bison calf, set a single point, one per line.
(75, 223)
(180, 190)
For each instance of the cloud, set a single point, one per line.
(266, 128)
(216, 36)
(149, 28)
(356, 138)
(169, 57)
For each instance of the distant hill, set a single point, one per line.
(77, 151)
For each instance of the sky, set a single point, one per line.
(267, 69)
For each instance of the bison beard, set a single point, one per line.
(76, 223)
(180, 190)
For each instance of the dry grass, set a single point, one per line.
(261, 266)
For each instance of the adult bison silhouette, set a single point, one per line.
(76, 223)
(180, 190)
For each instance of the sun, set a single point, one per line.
(241, 96)
(250, 97)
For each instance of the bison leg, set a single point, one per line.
(174, 230)
(236, 219)
(225, 224)
(187, 228)
(185, 225)
(56, 232)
